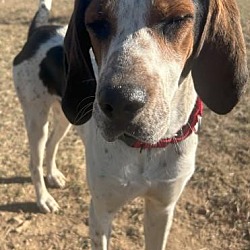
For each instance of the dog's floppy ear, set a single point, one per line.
(79, 92)
(220, 69)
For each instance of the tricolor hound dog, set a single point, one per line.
(140, 107)
(38, 77)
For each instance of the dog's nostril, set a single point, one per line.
(107, 109)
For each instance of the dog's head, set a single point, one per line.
(147, 54)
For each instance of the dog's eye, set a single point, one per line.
(100, 28)
(171, 25)
(179, 19)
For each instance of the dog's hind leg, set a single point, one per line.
(36, 120)
(61, 126)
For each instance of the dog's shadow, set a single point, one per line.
(21, 207)
(15, 180)
(17, 207)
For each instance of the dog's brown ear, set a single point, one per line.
(220, 69)
(79, 92)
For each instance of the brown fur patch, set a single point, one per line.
(163, 10)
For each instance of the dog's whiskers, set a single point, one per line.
(88, 80)
(83, 100)
(88, 97)
(82, 111)
(84, 115)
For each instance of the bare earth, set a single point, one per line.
(213, 212)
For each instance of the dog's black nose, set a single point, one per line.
(122, 103)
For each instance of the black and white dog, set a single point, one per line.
(38, 77)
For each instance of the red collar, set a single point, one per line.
(190, 127)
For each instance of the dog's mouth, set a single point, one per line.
(129, 138)
(148, 130)
(129, 132)
(112, 132)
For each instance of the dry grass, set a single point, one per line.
(213, 212)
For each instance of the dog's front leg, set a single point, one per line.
(160, 203)
(100, 226)
(157, 224)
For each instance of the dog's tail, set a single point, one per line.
(42, 15)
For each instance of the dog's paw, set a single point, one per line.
(56, 179)
(47, 204)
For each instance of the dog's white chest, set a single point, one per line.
(131, 172)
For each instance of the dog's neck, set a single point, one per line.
(181, 106)
(184, 120)
(192, 126)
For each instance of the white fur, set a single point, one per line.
(46, 3)
(44, 8)
(117, 173)
(36, 103)
(133, 40)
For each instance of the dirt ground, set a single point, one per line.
(213, 212)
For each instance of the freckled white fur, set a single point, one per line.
(47, 3)
(42, 18)
(117, 173)
(133, 40)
